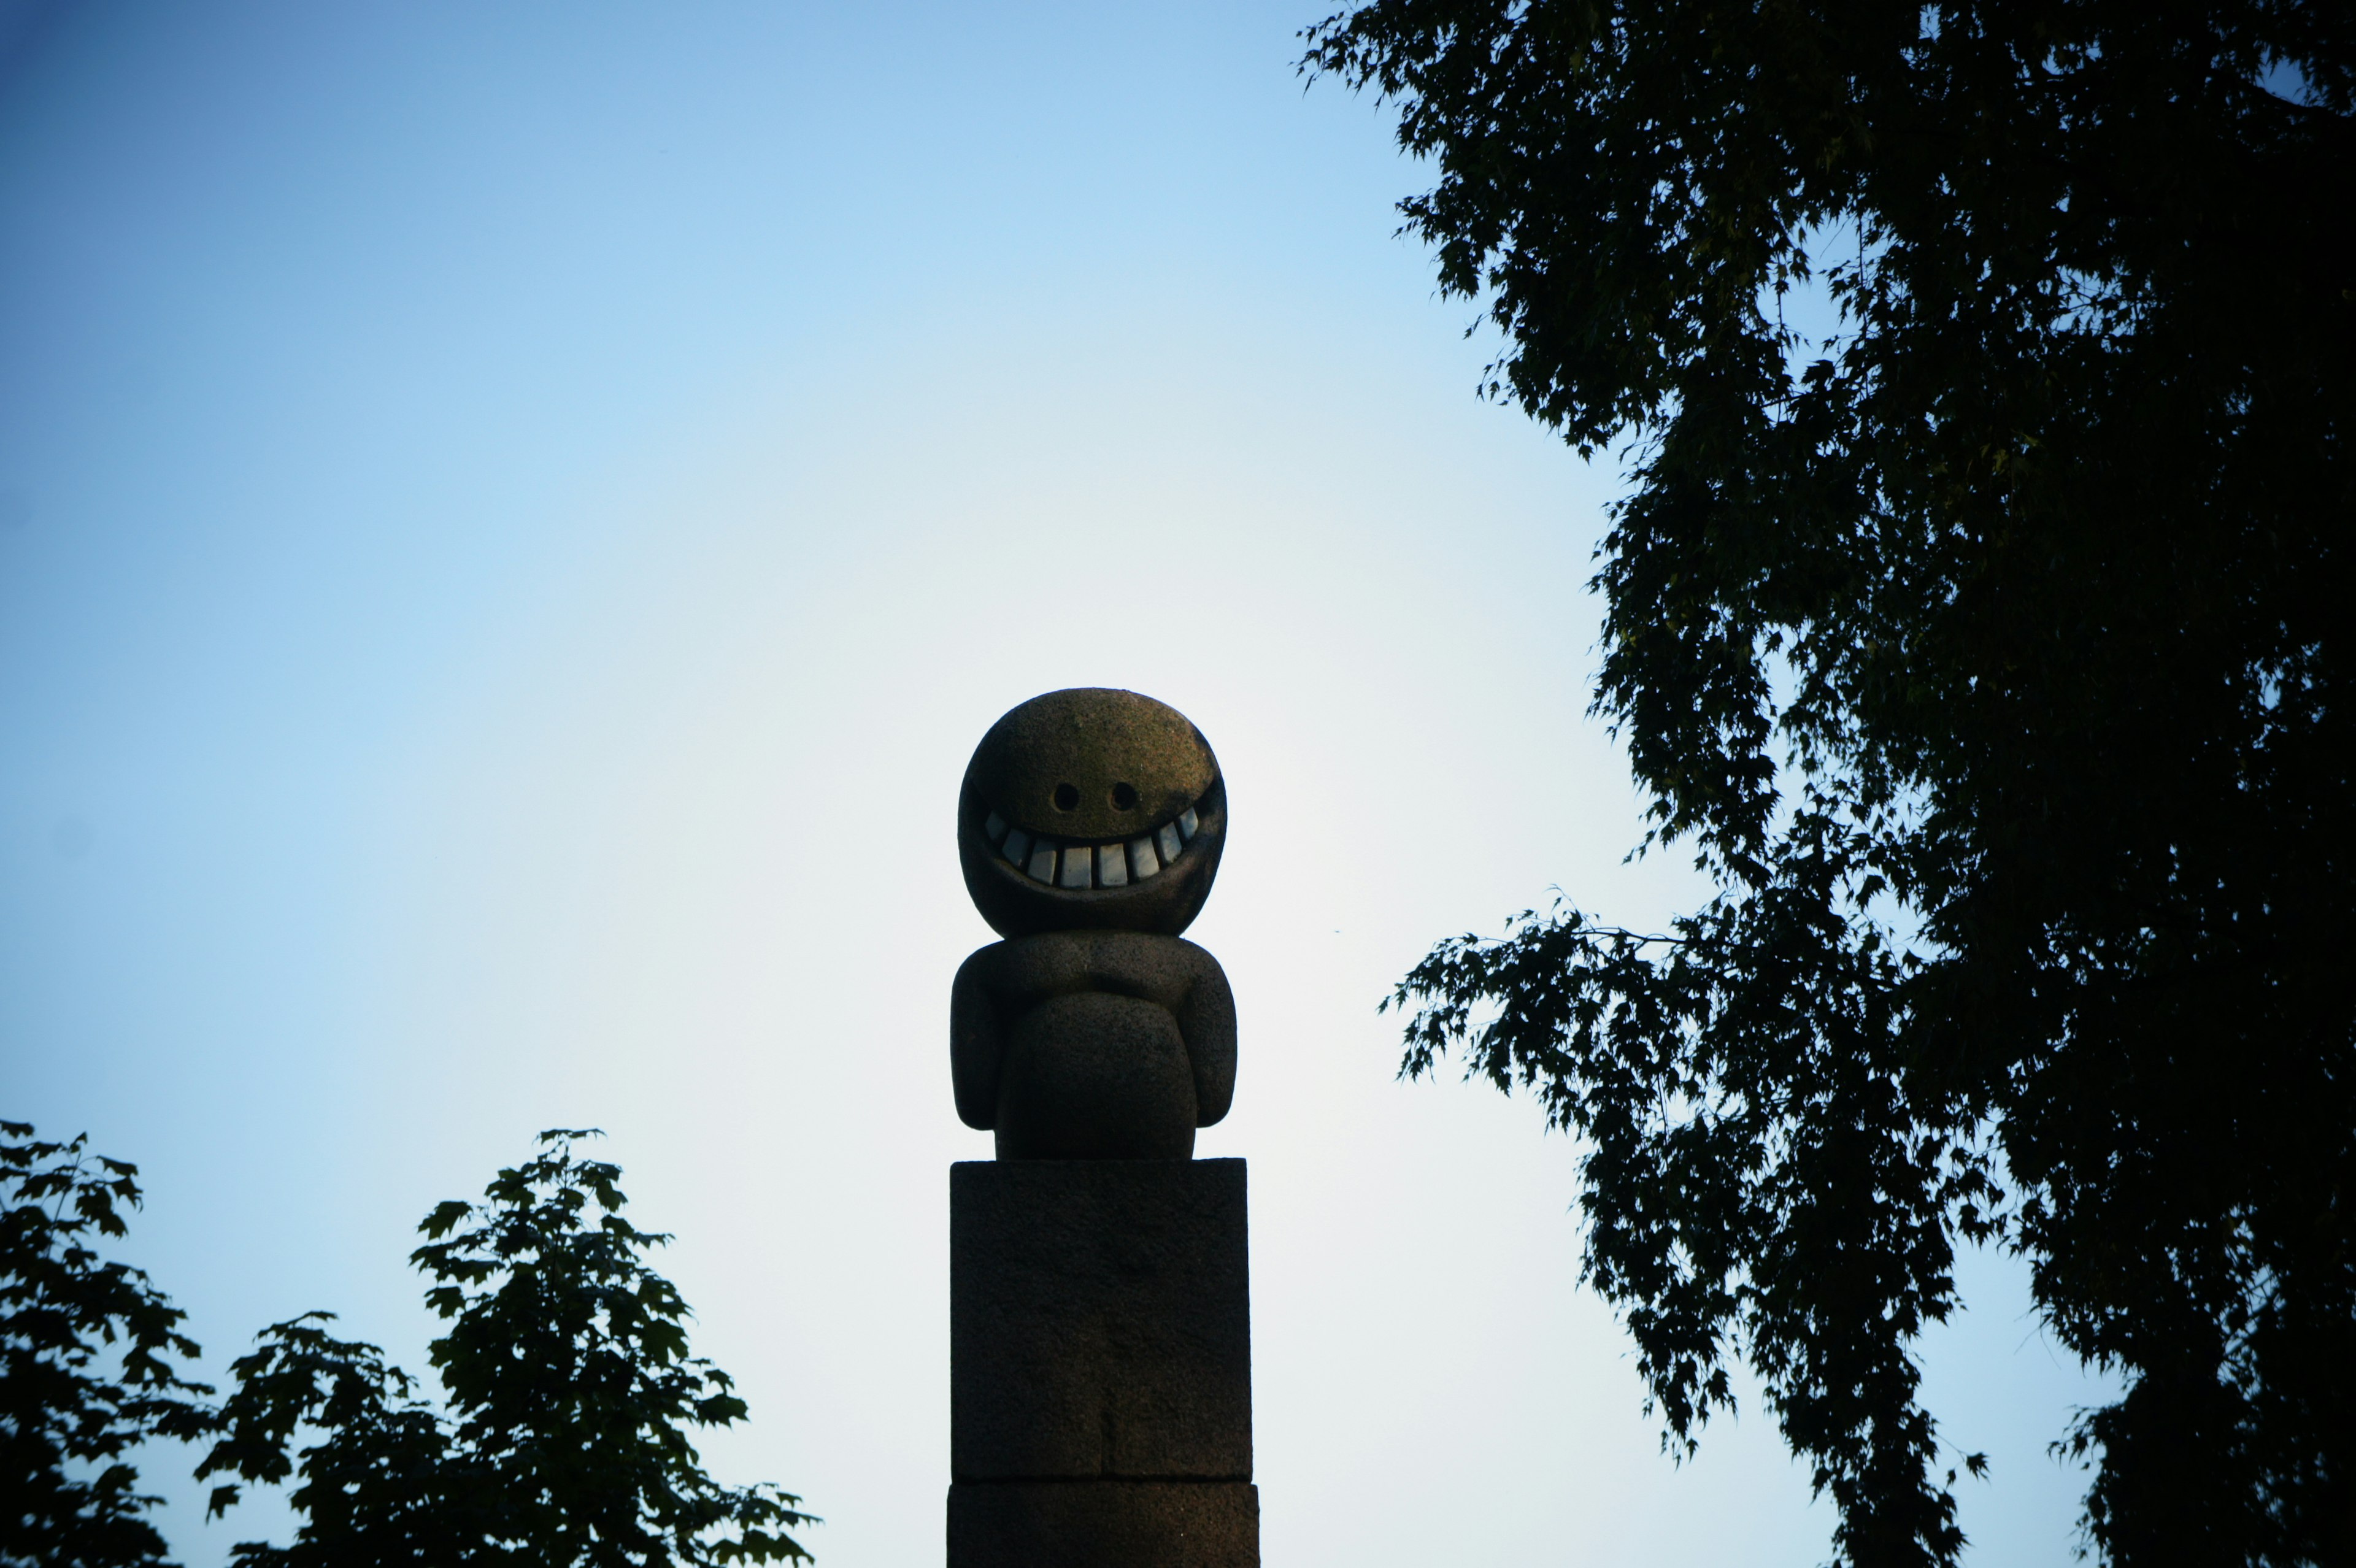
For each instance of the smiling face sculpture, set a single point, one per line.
(1091, 809)
(1089, 827)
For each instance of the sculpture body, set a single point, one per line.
(1092, 1044)
(1099, 1299)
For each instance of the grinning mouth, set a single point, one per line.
(1060, 864)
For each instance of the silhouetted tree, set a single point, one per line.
(569, 1391)
(85, 1363)
(1991, 651)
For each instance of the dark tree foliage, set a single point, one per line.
(569, 1389)
(1992, 654)
(86, 1370)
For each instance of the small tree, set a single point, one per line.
(85, 1374)
(569, 1390)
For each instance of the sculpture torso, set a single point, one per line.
(1092, 1044)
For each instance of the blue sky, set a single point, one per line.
(513, 517)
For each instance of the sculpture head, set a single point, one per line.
(1091, 809)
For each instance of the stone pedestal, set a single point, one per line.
(1100, 1366)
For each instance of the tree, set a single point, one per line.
(86, 1352)
(568, 1387)
(1988, 646)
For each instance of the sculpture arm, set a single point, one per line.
(1206, 1021)
(977, 1041)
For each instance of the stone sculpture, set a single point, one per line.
(1090, 826)
(1099, 1302)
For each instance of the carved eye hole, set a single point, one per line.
(1067, 797)
(1124, 797)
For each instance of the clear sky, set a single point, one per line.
(513, 517)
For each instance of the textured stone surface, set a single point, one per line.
(1092, 1044)
(1104, 1524)
(1095, 1076)
(1100, 1320)
(1092, 762)
(1129, 768)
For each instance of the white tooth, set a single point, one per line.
(1079, 860)
(1141, 858)
(1168, 837)
(1017, 846)
(1043, 862)
(1187, 822)
(1112, 866)
(994, 829)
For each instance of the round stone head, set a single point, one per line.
(1091, 809)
